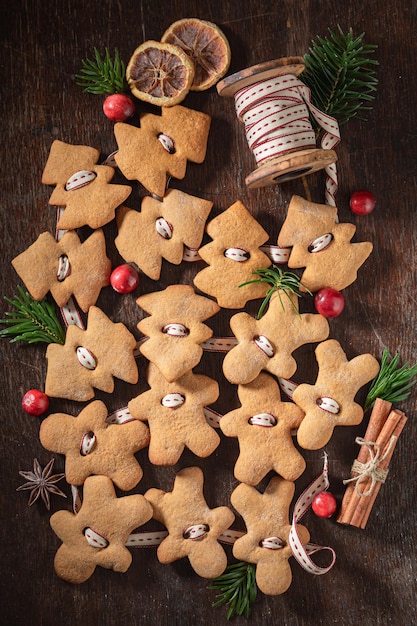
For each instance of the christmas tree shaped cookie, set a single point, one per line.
(161, 230)
(330, 402)
(65, 268)
(263, 427)
(65, 159)
(233, 256)
(266, 544)
(268, 343)
(194, 528)
(90, 359)
(175, 415)
(161, 146)
(175, 329)
(321, 245)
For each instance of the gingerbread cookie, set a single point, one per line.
(65, 159)
(161, 230)
(232, 257)
(266, 544)
(330, 401)
(268, 343)
(175, 328)
(263, 426)
(175, 415)
(65, 268)
(90, 359)
(321, 245)
(97, 534)
(168, 141)
(92, 446)
(193, 528)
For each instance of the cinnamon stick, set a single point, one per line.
(377, 419)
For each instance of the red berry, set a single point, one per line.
(35, 402)
(329, 302)
(118, 107)
(362, 202)
(124, 278)
(324, 504)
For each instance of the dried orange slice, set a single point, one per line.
(160, 73)
(207, 46)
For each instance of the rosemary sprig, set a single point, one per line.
(340, 74)
(31, 321)
(393, 383)
(102, 75)
(237, 587)
(288, 282)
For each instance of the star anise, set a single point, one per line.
(41, 483)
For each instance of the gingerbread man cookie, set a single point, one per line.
(90, 359)
(263, 426)
(268, 343)
(330, 401)
(175, 328)
(193, 528)
(92, 446)
(175, 415)
(97, 534)
(266, 544)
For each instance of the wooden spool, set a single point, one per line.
(294, 163)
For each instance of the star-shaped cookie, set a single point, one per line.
(330, 401)
(161, 230)
(92, 446)
(90, 359)
(161, 146)
(266, 544)
(175, 415)
(263, 426)
(268, 343)
(193, 528)
(104, 519)
(321, 245)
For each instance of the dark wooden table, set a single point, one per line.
(42, 44)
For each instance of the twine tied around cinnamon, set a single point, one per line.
(371, 468)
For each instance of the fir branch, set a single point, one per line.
(31, 321)
(237, 587)
(288, 282)
(102, 75)
(341, 75)
(393, 383)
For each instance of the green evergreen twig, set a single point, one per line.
(237, 588)
(393, 383)
(31, 321)
(102, 76)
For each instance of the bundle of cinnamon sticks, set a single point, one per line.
(368, 472)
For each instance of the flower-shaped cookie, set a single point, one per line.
(321, 245)
(330, 401)
(193, 528)
(65, 268)
(268, 343)
(64, 159)
(97, 534)
(233, 256)
(175, 415)
(266, 542)
(161, 230)
(263, 427)
(91, 358)
(161, 146)
(92, 446)
(175, 328)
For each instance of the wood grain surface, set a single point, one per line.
(42, 43)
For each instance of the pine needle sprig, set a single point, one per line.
(237, 587)
(280, 281)
(102, 75)
(341, 74)
(392, 383)
(31, 321)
